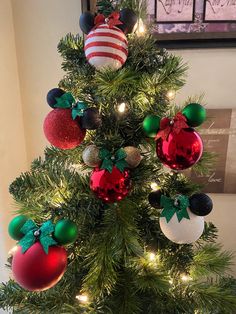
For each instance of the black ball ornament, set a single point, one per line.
(52, 95)
(91, 119)
(86, 22)
(129, 19)
(154, 199)
(200, 204)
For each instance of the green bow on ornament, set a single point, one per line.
(33, 233)
(67, 101)
(109, 160)
(177, 206)
(78, 109)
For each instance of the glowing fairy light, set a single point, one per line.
(121, 107)
(140, 28)
(83, 298)
(13, 250)
(151, 256)
(154, 186)
(171, 94)
(185, 278)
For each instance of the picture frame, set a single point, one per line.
(169, 11)
(197, 33)
(219, 11)
(219, 136)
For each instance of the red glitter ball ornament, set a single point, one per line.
(61, 130)
(110, 187)
(35, 270)
(180, 151)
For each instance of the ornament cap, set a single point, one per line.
(37, 233)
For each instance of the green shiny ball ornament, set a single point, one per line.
(66, 231)
(151, 125)
(15, 226)
(195, 114)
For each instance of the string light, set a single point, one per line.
(185, 278)
(151, 256)
(171, 94)
(13, 250)
(121, 108)
(140, 28)
(83, 298)
(154, 186)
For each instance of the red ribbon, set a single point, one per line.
(112, 20)
(174, 125)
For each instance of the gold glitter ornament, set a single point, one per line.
(91, 156)
(133, 156)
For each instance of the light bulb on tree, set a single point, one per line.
(171, 94)
(151, 256)
(83, 298)
(122, 108)
(185, 278)
(154, 186)
(140, 28)
(13, 250)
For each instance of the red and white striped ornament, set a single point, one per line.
(106, 47)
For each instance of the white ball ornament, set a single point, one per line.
(106, 47)
(185, 231)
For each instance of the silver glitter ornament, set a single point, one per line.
(133, 156)
(91, 156)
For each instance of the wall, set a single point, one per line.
(212, 71)
(39, 25)
(12, 144)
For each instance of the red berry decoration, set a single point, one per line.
(110, 186)
(178, 146)
(35, 270)
(61, 130)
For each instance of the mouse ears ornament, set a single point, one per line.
(178, 145)
(40, 261)
(65, 126)
(110, 180)
(181, 218)
(106, 45)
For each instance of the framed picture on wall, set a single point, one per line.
(193, 23)
(219, 136)
(220, 11)
(168, 11)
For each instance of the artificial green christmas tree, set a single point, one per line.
(102, 197)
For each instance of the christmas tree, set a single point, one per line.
(102, 225)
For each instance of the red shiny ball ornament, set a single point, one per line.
(180, 151)
(110, 187)
(35, 270)
(61, 130)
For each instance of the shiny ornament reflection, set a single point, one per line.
(110, 187)
(180, 151)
